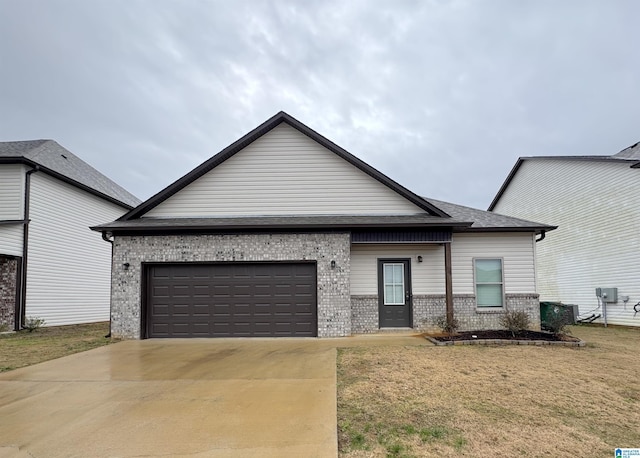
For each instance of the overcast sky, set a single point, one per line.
(441, 96)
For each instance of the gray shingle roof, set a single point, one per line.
(52, 156)
(462, 219)
(330, 222)
(486, 220)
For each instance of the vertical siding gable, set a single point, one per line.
(284, 172)
(596, 206)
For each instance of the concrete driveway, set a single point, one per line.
(196, 398)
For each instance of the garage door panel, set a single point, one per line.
(232, 300)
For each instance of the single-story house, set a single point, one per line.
(51, 266)
(284, 233)
(595, 200)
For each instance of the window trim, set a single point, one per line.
(475, 284)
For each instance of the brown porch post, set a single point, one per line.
(448, 283)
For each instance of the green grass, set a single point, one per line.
(25, 348)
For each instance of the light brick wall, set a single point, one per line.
(426, 308)
(334, 311)
(8, 285)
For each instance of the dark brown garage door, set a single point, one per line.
(231, 300)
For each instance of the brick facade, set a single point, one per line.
(334, 312)
(8, 290)
(426, 308)
(339, 313)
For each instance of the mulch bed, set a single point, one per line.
(503, 336)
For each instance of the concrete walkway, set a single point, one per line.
(196, 398)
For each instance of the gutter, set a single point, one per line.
(21, 305)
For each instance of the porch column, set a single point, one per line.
(448, 282)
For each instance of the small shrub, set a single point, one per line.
(446, 326)
(515, 321)
(557, 321)
(33, 323)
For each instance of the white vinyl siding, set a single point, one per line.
(69, 266)
(427, 277)
(284, 173)
(596, 205)
(11, 191)
(515, 249)
(11, 239)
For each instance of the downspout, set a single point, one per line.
(543, 234)
(22, 315)
(105, 237)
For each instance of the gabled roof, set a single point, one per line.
(261, 130)
(630, 155)
(61, 163)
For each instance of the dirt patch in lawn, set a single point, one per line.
(474, 401)
(26, 348)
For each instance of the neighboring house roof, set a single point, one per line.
(63, 164)
(630, 155)
(438, 214)
(630, 152)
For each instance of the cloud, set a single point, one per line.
(442, 96)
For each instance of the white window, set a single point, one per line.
(489, 282)
(393, 283)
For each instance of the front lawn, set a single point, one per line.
(26, 348)
(479, 401)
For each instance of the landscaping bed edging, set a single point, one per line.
(539, 343)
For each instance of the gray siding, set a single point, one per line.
(68, 275)
(284, 173)
(597, 244)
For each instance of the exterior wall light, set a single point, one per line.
(419, 258)
(126, 266)
(333, 264)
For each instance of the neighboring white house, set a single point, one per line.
(595, 202)
(284, 233)
(51, 265)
